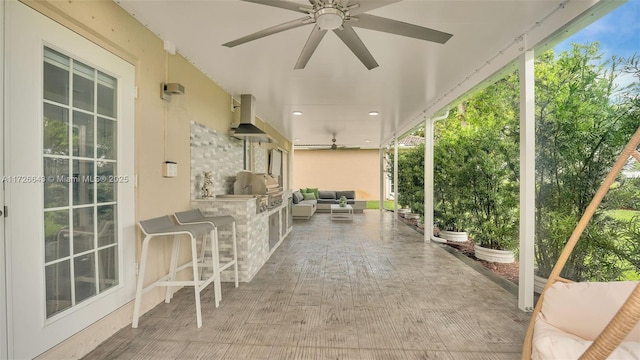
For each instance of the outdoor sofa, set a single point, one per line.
(304, 205)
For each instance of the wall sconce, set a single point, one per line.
(170, 169)
(166, 90)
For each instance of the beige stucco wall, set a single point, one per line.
(357, 170)
(162, 132)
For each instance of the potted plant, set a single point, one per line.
(493, 204)
(343, 201)
(494, 240)
(451, 224)
(450, 205)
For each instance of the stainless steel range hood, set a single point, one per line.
(247, 129)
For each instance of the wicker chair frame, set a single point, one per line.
(629, 314)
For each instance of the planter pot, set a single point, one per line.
(412, 216)
(538, 283)
(491, 255)
(403, 212)
(455, 236)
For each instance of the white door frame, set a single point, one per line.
(27, 30)
(4, 342)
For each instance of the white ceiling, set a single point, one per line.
(335, 91)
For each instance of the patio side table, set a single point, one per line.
(340, 213)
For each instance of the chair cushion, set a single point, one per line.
(327, 201)
(327, 195)
(551, 343)
(347, 194)
(585, 308)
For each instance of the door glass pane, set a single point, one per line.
(56, 185)
(83, 86)
(83, 234)
(106, 95)
(56, 235)
(106, 187)
(84, 273)
(82, 134)
(80, 196)
(58, 280)
(108, 267)
(56, 77)
(83, 182)
(106, 139)
(55, 130)
(106, 221)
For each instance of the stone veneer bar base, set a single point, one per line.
(252, 234)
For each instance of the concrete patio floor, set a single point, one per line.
(367, 289)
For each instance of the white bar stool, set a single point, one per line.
(163, 226)
(196, 216)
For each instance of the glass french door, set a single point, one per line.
(68, 182)
(79, 181)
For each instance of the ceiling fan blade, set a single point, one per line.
(368, 5)
(310, 47)
(288, 5)
(378, 23)
(351, 39)
(270, 31)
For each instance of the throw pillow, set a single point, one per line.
(297, 197)
(309, 196)
(314, 191)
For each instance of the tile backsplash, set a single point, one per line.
(221, 154)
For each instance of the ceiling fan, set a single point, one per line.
(341, 16)
(333, 146)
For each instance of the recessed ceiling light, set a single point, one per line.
(297, 112)
(296, 139)
(374, 113)
(367, 141)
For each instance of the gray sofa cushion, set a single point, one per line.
(327, 201)
(297, 197)
(347, 194)
(327, 195)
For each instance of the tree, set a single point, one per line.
(581, 125)
(410, 187)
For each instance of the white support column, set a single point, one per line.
(428, 180)
(382, 182)
(395, 176)
(527, 180)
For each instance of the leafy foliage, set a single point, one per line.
(583, 121)
(410, 187)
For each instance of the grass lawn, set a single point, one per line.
(623, 214)
(375, 204)
(626, 215)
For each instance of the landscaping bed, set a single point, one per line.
(507, 271)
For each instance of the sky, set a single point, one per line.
(618, 32)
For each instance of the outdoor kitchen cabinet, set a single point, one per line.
(258, 233)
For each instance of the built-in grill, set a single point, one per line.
(264, 186)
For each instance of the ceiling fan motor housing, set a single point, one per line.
(329, 17)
